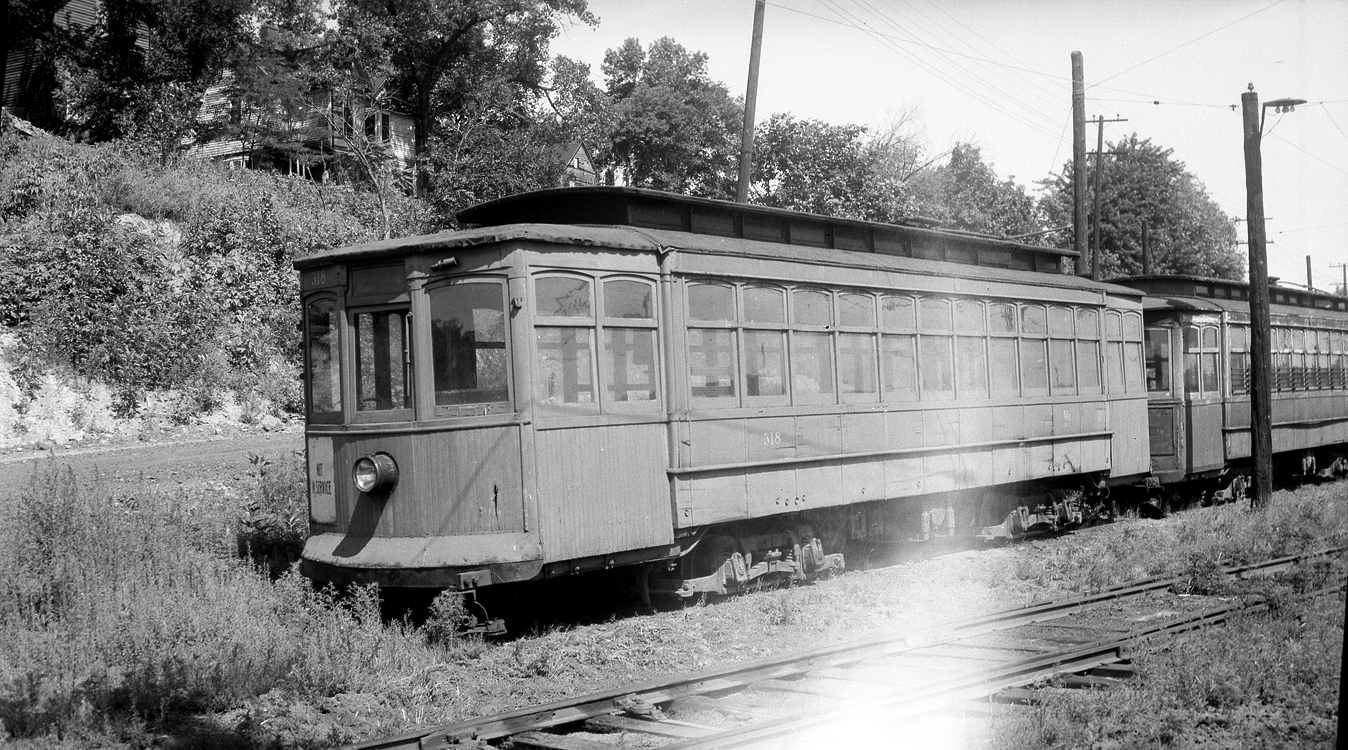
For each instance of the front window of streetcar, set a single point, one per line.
(383, 361)
(325, 381)
(468, 343)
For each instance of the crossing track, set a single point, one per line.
(768, 702)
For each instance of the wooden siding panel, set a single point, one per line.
(863, 433)
(721, 496)
(863, 481)
(460, 482)
(903, 429)
(604, 489)
(819, 435)
(717, 442)
(770, 438)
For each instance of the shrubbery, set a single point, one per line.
(118, 270)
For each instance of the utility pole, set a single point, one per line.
(1343, 290)
(750, 98)
(1146, 252)
(1309, 283)
(1261, 364)
(1099, 178)
(1079, 162)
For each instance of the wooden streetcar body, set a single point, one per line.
(1199, 416)
(665, 370)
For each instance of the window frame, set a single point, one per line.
(450, 411)
(782, 329)
(589, 323)
(410, 356)
(338, 341)
(603, 322)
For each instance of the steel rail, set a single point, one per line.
(930, 698)
(740, 675)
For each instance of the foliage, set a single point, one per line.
(125, 613)
(966, 194)
(489, 151)
(148, 58)
(674, 127)
(1144, 185)
(96, 282)
(441, 53)
(274, 522)
(834, 170)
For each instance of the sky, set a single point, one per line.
(997, 73)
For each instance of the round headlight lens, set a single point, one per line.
(375, 474)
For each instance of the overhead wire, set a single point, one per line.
(1331, 165)
(1020, 66)
(986, 68)
(887, 41)
(1191, 41)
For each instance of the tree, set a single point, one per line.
(673, 127)
(1143, 184)
(494, 148)
(966, 194)
(440, 52)
(834, 170)
(149, 58)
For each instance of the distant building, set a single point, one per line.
(30, 72)
(303, 141)
(579, 167)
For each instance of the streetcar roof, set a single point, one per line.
(659, 241)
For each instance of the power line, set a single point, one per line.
(955, 64)
(1333, 121)
(1313, 156)
(1191, 41)
(884, 40)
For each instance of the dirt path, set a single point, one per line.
(187, 461)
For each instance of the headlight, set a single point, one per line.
(376, 474)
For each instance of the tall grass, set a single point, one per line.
(124, 613)
(1194, 544)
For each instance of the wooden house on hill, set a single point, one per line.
(303, 140)
(579, 167)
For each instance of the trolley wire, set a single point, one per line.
(889, 42)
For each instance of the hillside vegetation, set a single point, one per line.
(132, 291)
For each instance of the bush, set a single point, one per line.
(151, 277)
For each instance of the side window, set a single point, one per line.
(1114, 351)
(564, 332)
(1158, 360)
(764, 322)
(1003, 361)
(971, 354)
(321, 321)
(1034, 350)
(468, 343)
(383, 360)
(857, 379)
(628, 371)
(812, 346)
(1088, 351)
(935, 355)
(898, 322)
(1061, 356)
(1240, 359)
(711, 344)
(1132, 352)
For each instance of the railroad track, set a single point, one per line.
(770, 702)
